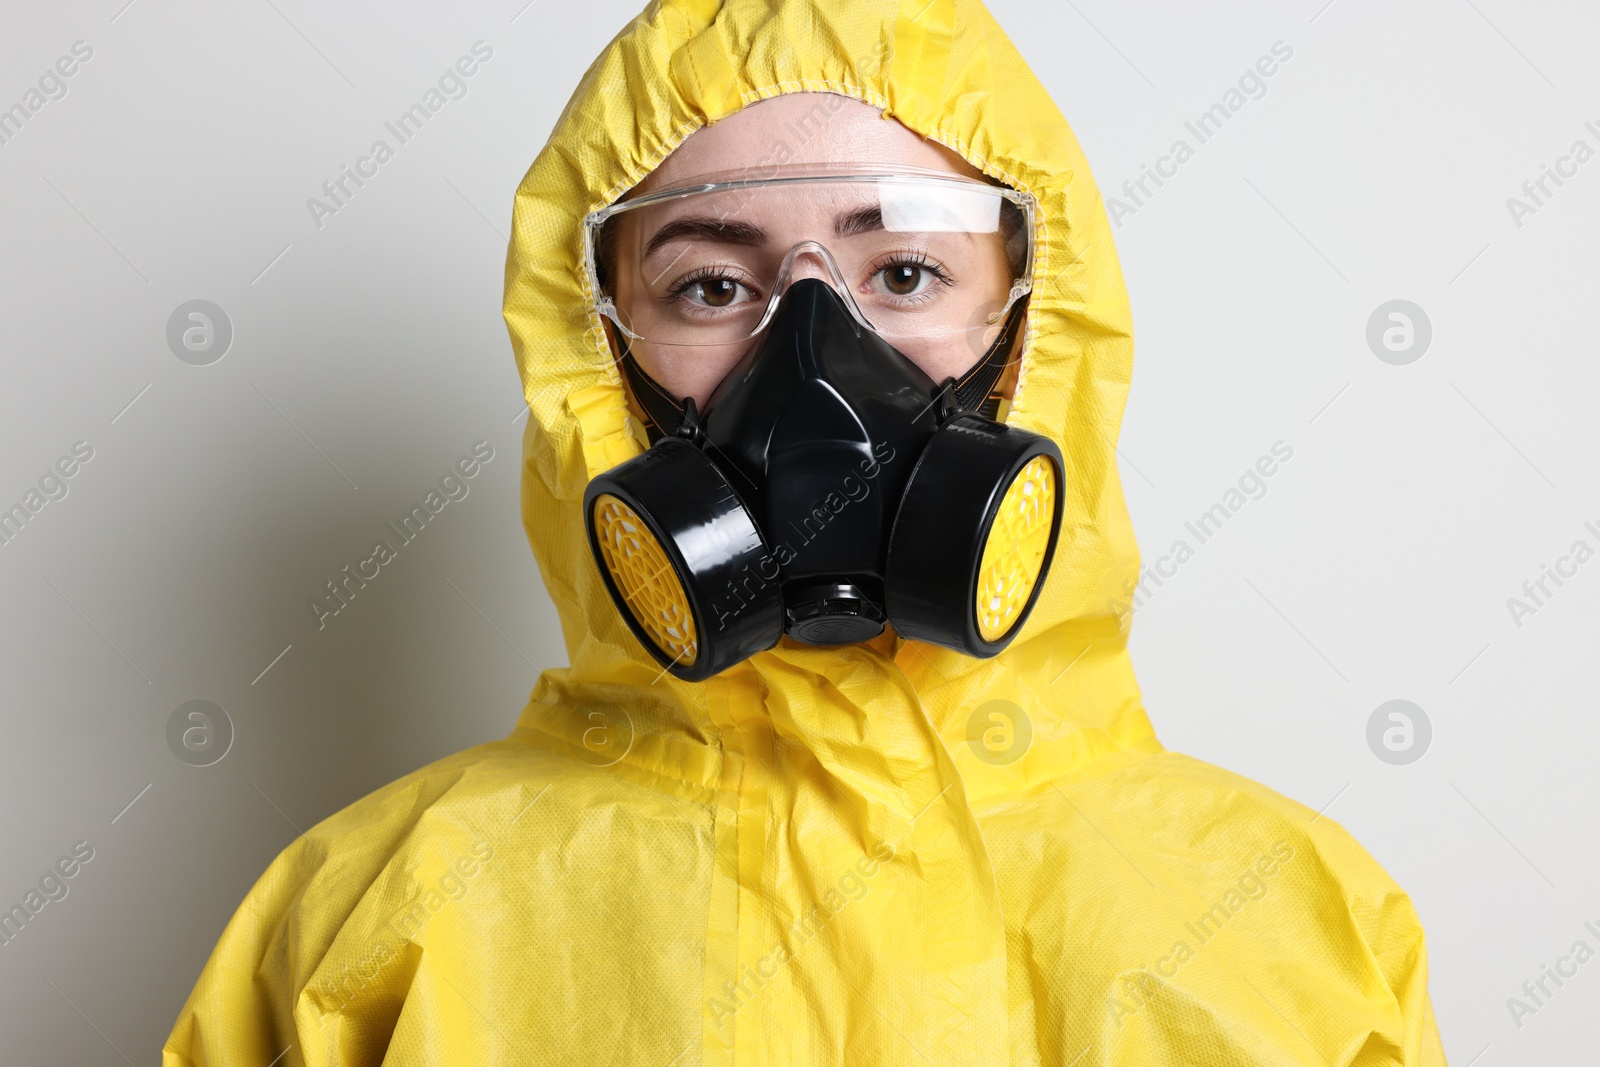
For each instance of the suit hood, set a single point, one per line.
(944, 69)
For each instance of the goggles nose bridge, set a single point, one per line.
(792, 269)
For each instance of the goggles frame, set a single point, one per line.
(605, 305)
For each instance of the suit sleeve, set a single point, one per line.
(242, 1008)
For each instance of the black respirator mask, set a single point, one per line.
(830, 487)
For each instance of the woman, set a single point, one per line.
(773, 828)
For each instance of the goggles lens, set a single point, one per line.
(913, 256)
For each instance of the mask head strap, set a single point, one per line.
(663, 412)
(975, 390)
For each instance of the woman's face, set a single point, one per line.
(797, 128)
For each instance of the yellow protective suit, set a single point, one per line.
(818, 857)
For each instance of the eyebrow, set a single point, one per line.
(722, 231)
(707, 228)
(862, 219)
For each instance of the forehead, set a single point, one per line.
(794, 214)
(801, 128)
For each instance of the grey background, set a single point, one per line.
(369, 354)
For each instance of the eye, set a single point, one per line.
(717, 292)
(908, 277)
(711, 290)
(904, 279)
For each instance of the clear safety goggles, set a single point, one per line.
(914, 254)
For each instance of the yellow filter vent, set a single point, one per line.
(1015, 548)
(644, 576)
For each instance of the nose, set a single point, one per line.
(809, 259)
(810, 265)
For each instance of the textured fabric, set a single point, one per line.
(817, 857)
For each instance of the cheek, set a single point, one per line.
(949, 356)
(688, 370)
(696, 371)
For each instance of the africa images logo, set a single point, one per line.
(338, 191)
(453, 486)
(851, 490)
(1140, 988)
